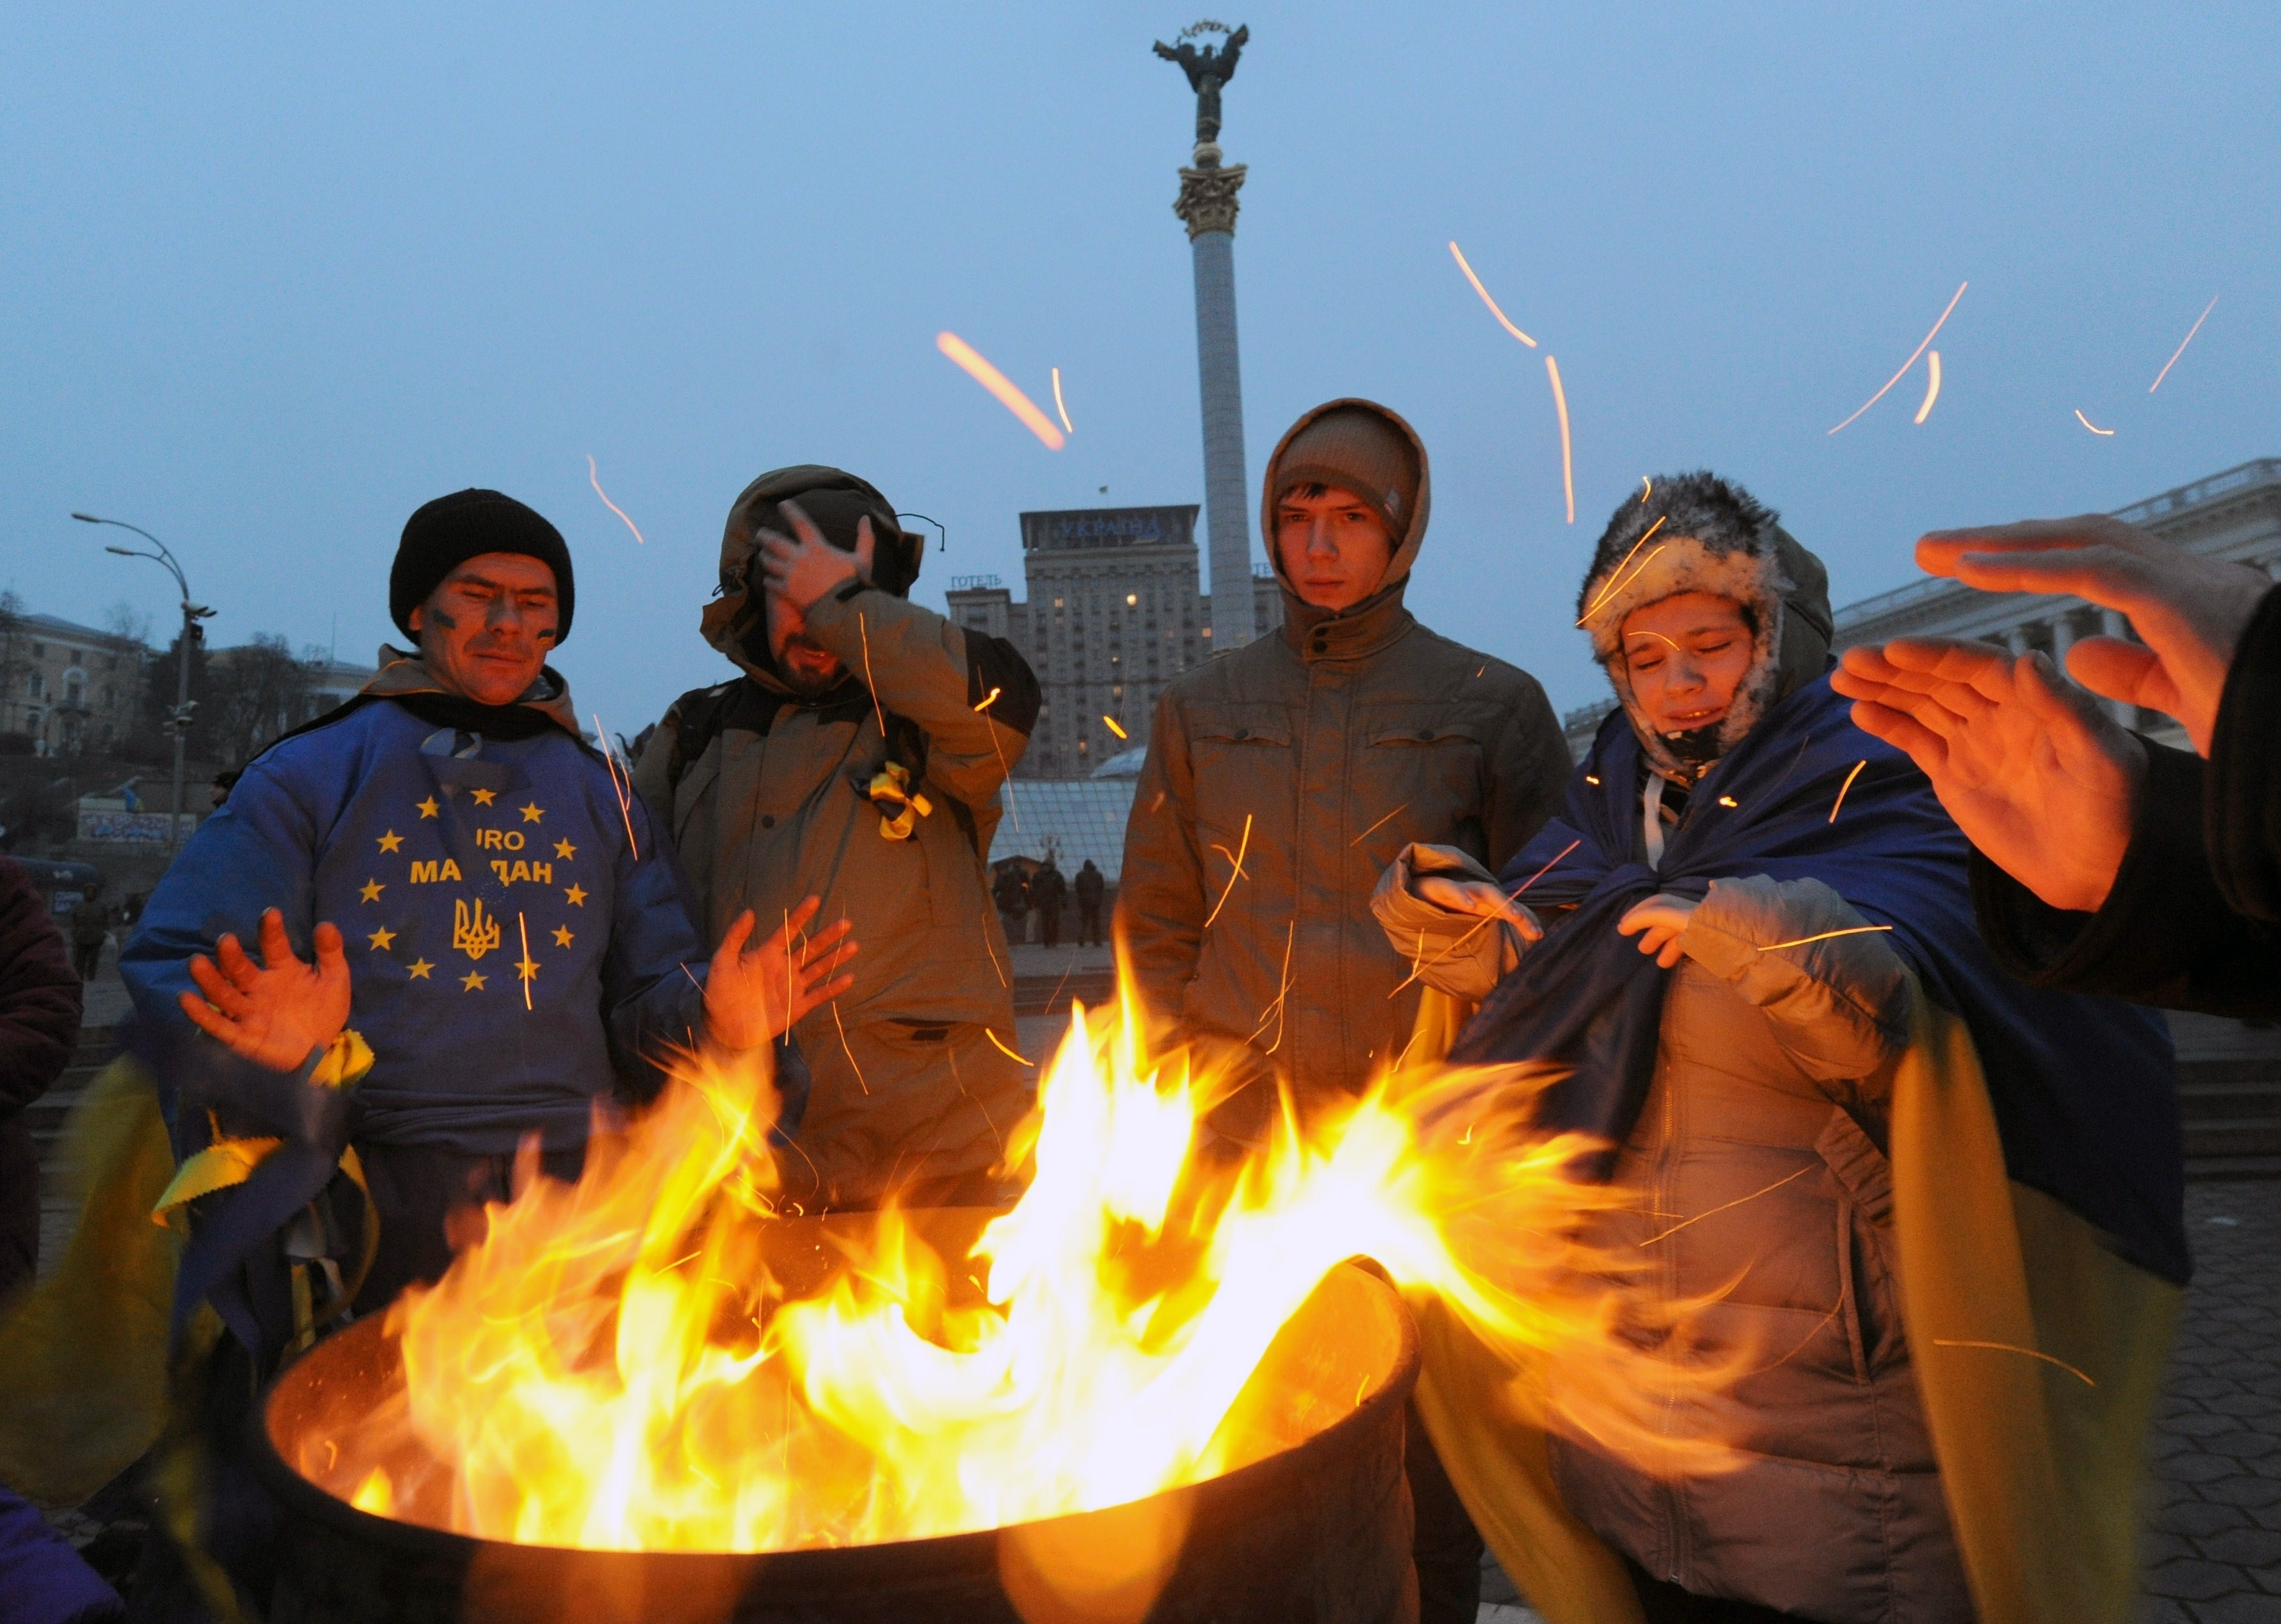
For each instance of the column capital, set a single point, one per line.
(1207, 200)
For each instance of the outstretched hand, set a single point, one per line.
(803, 567)
(2190, 610)
(2036, 775)
(753, 998)
(275, 1014)
(1478, 897)
(1659, 922)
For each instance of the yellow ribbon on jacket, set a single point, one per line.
(226, 1162)
(900, 806)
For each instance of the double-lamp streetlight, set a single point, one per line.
(179, 722)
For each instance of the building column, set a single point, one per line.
(1208, 203)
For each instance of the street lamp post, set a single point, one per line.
(179, 722)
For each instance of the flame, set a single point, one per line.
(665, 1356)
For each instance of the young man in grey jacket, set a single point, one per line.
(1282, 778)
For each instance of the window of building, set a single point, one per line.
(39, 651)
(36, 684)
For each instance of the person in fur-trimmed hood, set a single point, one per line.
(1282, 776)
(1933, 1217)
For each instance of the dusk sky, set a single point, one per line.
(276, 275)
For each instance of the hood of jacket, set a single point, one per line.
(1297, 613)
(1696, 533)
(735, 620)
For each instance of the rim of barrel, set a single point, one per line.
(974, 1549)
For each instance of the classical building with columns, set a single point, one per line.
(2236, 515)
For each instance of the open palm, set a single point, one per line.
(275, 1013)
(2036, 775)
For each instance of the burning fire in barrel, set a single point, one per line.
(1156, 1388)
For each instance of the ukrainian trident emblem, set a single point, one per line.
(473, 933)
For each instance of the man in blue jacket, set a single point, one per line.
(501, 943)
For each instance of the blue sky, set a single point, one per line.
(273, 276)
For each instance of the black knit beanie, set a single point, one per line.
(448, 531)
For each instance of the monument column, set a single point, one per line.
(1208, 205)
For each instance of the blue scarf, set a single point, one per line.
(2084, 1089)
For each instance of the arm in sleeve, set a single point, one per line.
(259, 852)
(2242, 814)
(652, 772)
(39, 994)
(1839, 1006)
(1160, 895)
(940, 677)
(653, 975)
(1458, 954)
(2164, 936)
(1528, 770)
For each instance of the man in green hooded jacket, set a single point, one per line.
(857, 755)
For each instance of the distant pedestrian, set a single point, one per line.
(1012, 895)
(1048, 891)
(90, 924)
(39, 1024)
(1089, 886)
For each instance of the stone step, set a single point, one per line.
(2226, 1137)
(2215, 1169)
(2206, 1102)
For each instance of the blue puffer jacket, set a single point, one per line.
(512, 960)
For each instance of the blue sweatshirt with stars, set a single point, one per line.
(513, 959)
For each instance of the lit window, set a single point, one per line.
(1131, 598)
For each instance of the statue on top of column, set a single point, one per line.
(1208, 70)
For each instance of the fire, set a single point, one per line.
(668, 1355)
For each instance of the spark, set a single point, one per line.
(526, 967)
(1381, 824)
(1241, 847)
(2087, 423)
(1274, 1010)
(2183, 342)
(1008, 1053)
(1726, 801)
(1568, 465)
(1932, 385)
(789, 1003)
(991, 701)
(1945, 1341)
(999, 385)
(1067, 426)
(1113, 728)
(1856, 930)
(1636, 546)
(1738, 1202)
(1459, 255)
(1647, 489)
(864, 632)
(1591, 780)
(1657, 636)
(594, 478)
(1842, 788)
(844, 1049)
(1912, 361)
(1619, 584)
(622, 790)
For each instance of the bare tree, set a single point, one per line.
(123, 620)
(15, 660)
(253, 692)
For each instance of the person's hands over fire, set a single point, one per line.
(1659, 922)
(802, 568)
(280, 1012)
(753, 998)
(2036, 775)
(2190, 610)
